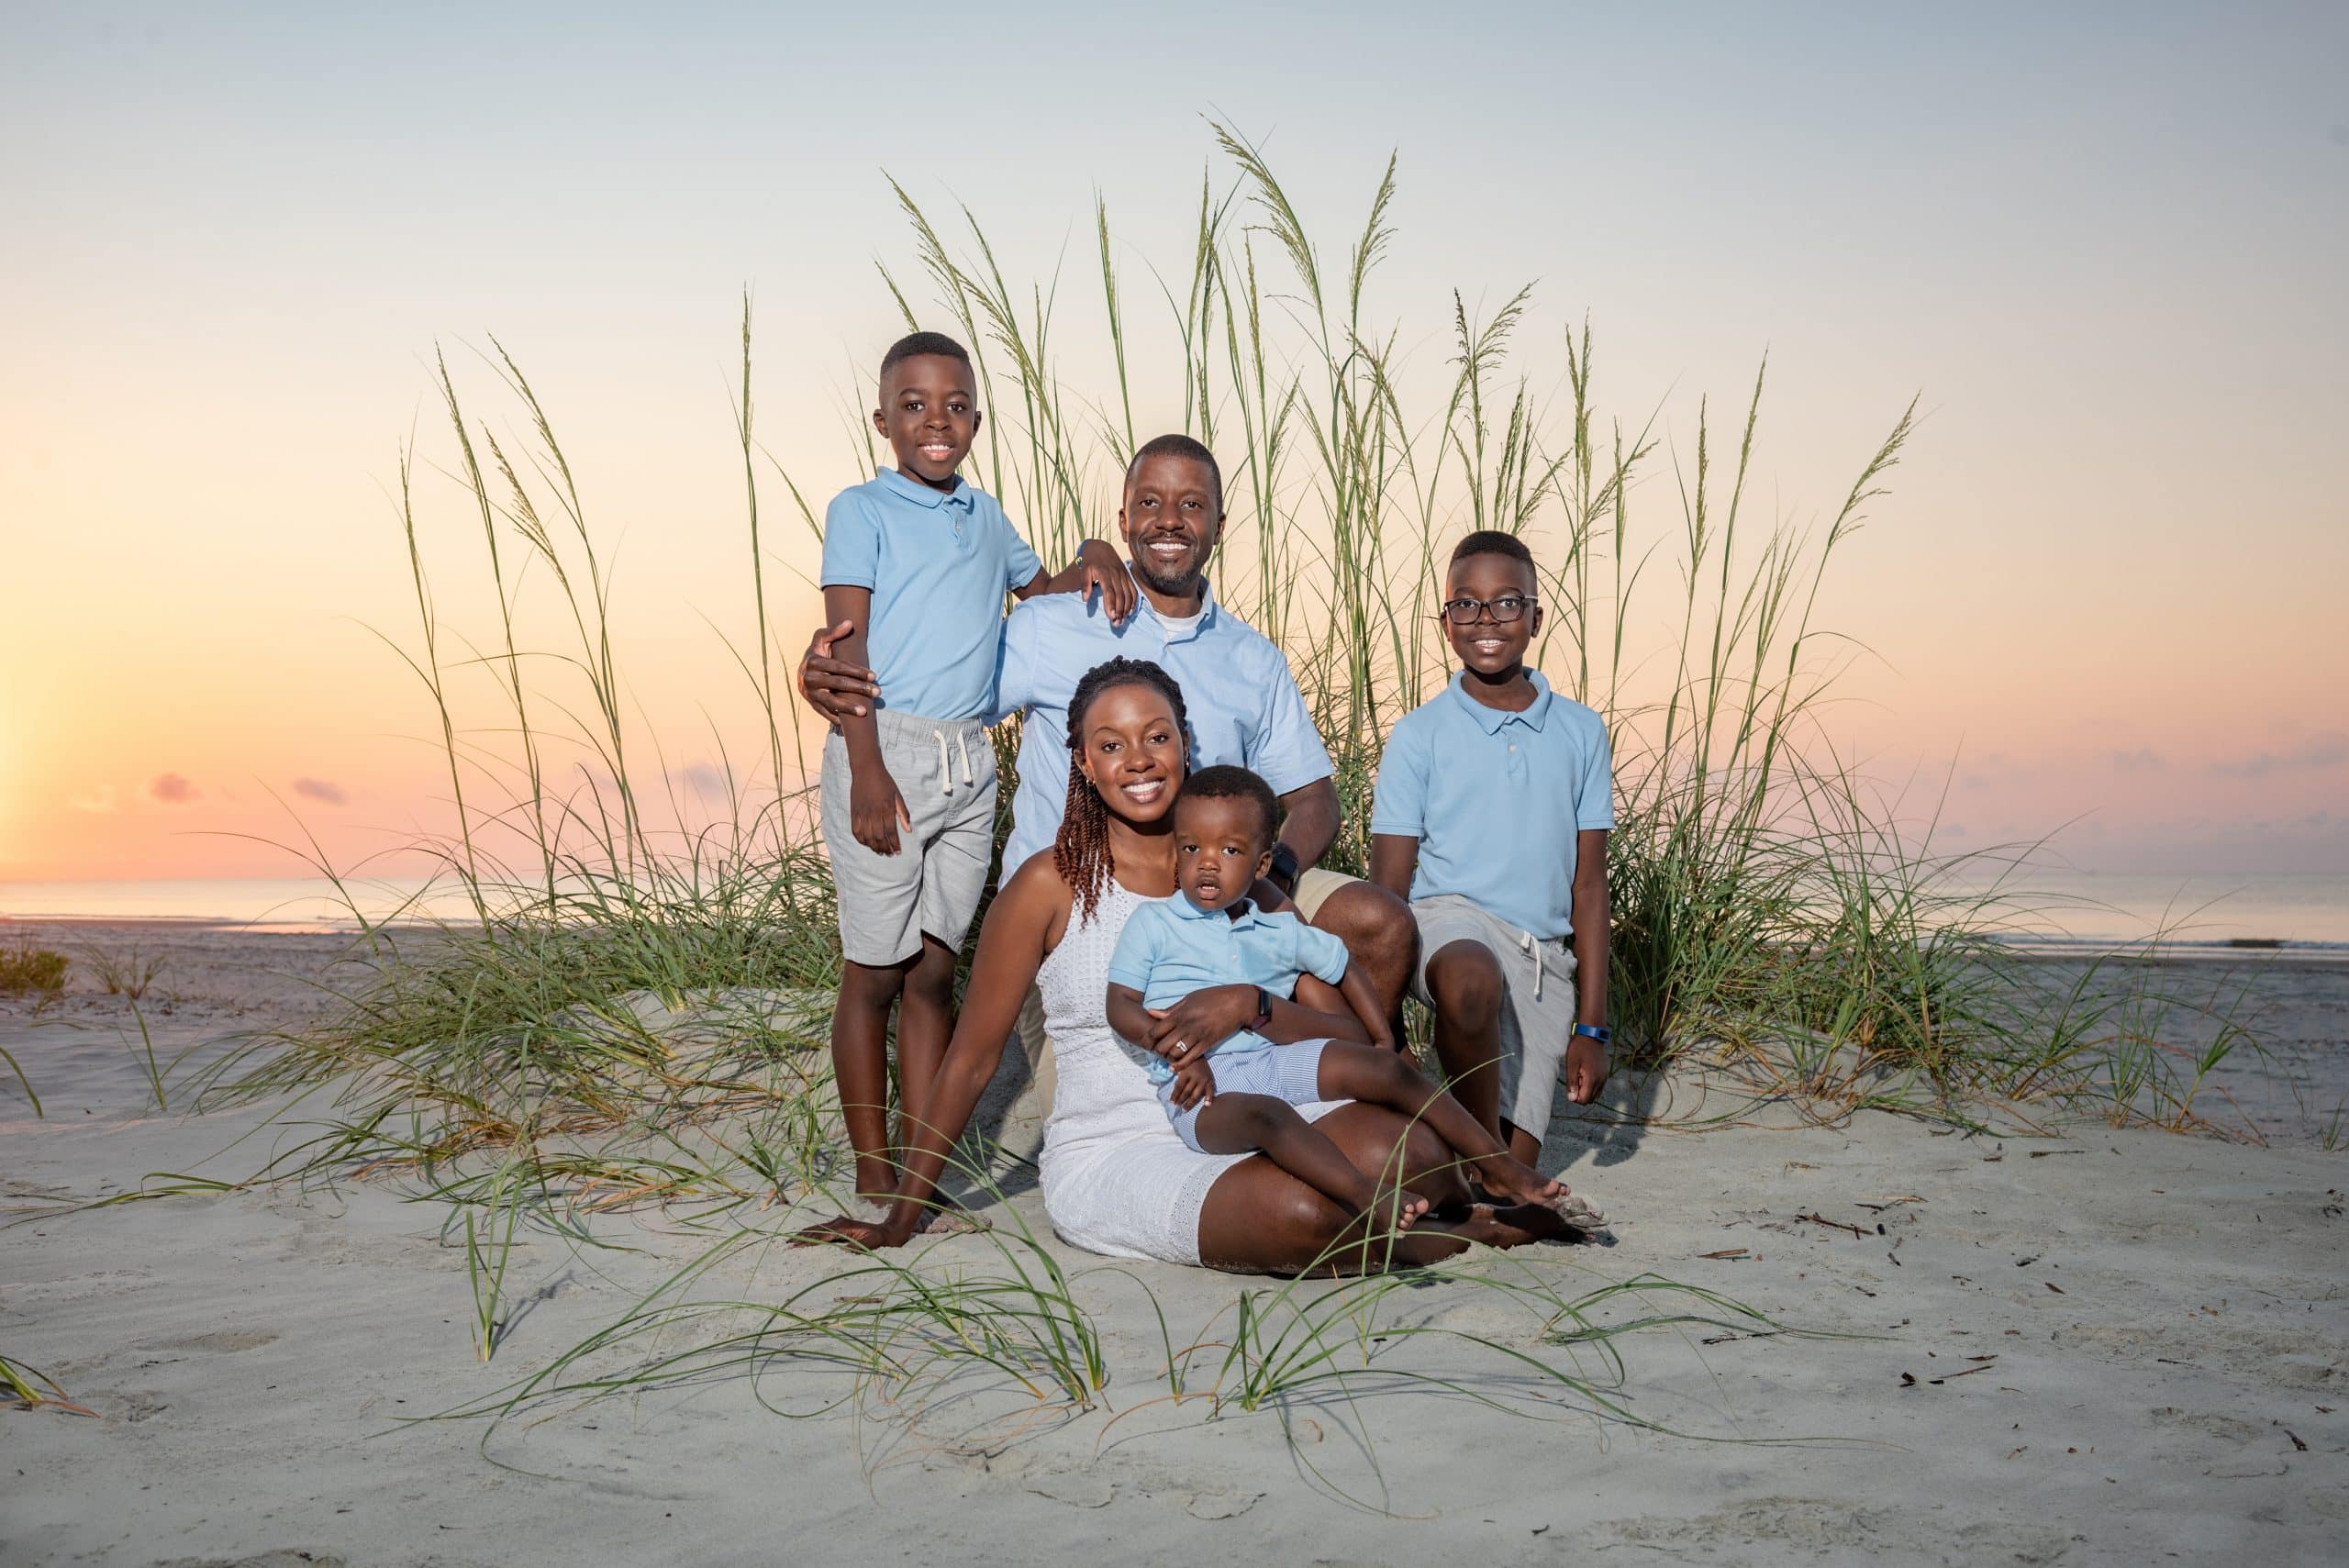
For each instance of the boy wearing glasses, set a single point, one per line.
(1491, 815)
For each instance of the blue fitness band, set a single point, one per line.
(1595, 1031)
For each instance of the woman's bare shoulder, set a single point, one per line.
(1037, 893)
(1036, 878)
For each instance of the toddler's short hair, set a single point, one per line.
(913, 345)
(1189, 449)
(1491, 541)
(1224, 781)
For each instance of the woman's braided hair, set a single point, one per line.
(1081, 848)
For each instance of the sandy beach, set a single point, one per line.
(2103, 1346)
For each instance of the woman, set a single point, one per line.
(1116, 1177)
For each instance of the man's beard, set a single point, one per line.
(1182, 586)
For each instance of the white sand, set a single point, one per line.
(2169, 1318)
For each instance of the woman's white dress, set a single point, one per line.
(1116, 1178)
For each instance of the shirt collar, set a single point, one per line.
(1491, 718)
(962, 495)
(1209, 611)
(1248, 916)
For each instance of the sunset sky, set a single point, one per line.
(2106, 247)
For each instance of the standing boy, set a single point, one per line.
(917, 561)
(1491, 815)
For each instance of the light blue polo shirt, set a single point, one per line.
(1495, 799)
(939, 565)
(1243, 703)
(1170, 948)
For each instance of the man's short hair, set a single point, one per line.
(1224, 781)
(914, 345)
(1189, 451)
(1491, 541)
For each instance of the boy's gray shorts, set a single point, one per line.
(1537, 1001)
(945, 769)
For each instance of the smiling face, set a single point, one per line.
(1133, 750)
(1486, 647)
(1170, 521)
(929, 413)
(1221, 846)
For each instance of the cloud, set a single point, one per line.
(2140, 761)
(706, 779)
(2328, 750)
(99, 802)
(324, 790)
(173, 789)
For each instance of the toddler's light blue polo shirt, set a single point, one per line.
(1243, 703)
(1170, 948)
(1495, 799)
(938, 564)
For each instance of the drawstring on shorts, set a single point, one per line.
(945, 772)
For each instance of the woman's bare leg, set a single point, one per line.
(1242, 1123)
(1259, 1219)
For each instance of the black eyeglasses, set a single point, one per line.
(1506, 610)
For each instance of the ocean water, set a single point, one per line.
(2304, 911)
(2301, 911)
(278, 903)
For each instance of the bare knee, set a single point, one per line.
(871, 986)
(930, 982)
(1312, 1213)
(1256, 1118)
(1465, 981)
(1378, 929)
(1393, 1078)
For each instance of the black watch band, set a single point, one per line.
(1284, 867)
(1263, 1007)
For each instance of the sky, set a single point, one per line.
(2101, 246)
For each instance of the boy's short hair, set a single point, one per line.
(1491, 541)
(1224, 781)
(914, 345)
(1189, 449)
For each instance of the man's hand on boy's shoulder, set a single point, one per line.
(1105, 574)
(834, 688)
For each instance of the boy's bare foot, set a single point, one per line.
(1505, 1176)
(1396, 1209)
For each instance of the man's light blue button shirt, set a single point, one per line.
(938, 564)
(1242, 702)
(1170, 948)
(1495, 799)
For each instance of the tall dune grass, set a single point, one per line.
(1773, 915)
